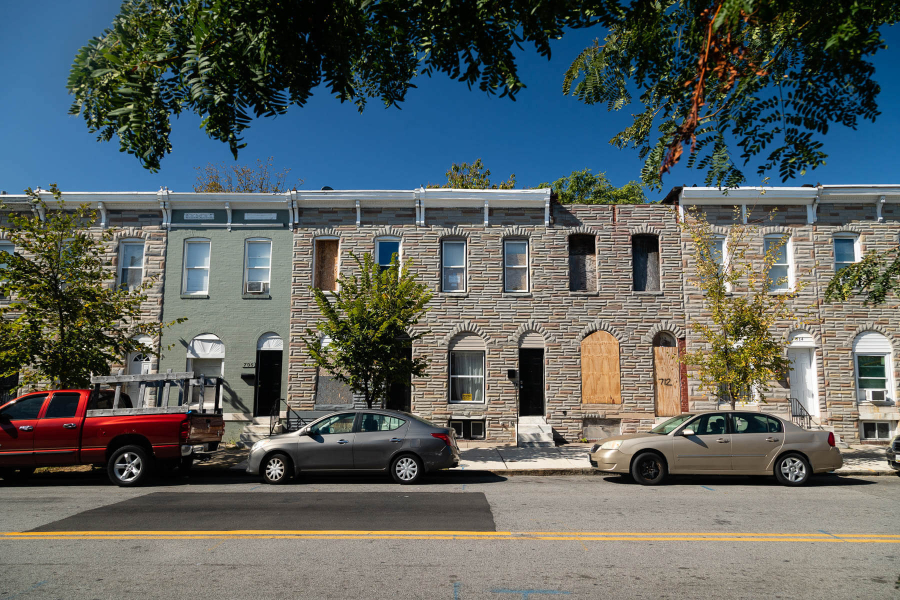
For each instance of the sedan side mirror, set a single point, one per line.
(687, 432)
(304, 430)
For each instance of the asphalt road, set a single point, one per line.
(455, 537)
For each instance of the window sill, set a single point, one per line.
(648, 292)
(195, 296)
(583, 293)
(516, 295)
(467, 404)
(454, 294)
(256, 297)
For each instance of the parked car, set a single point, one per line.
(893, 454)
(72, 427)
(720, 443)
(405, 445)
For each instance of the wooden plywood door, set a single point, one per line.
(600, 377)
(667, 381)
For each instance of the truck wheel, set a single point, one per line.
(128, 466)
(184, 466)
(14, 475)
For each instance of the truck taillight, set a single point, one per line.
(830, 438)
(185, 431)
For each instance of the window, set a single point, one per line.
(711, 424)
(754, 423)
(780, 276)
(373, 422)
(516, 266)
(258, 268)
(582, 263)
(326, 261)
(874, 371)
(467, 368)
(24, 408)
(10, 249)
(468, 429)
(876, 430)
(342, 423)
(645, 263)
(131, 265)
(453, 266)
(845, 250)
(385, 249)
(63, 405)
(196, 267)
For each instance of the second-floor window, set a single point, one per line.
(582, 263)
(9, 249)
(131, 265)
(326, 260)
(258, 267)
(453, 269)
(515, 262)
(845, 250)
(385, 249)
(645, 262)
(780, 272)
(196, 267)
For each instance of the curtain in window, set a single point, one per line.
(466, 376)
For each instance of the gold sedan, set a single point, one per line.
(720, 443)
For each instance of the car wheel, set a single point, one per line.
(276, 469)
(407, 469)
(648, 469)
(129, 466)
(14, 475)
(792, 469)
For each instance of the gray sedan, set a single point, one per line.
(359, 440)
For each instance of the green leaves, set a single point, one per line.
(367, 328)
(584, 187)
(474, 176)
(873, 278)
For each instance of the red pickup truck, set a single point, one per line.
(71, 427)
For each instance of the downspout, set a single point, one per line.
(102, 208)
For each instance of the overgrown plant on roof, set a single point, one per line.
(585, 187)
(473, 176)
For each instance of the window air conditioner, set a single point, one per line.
(257, 287)
(877, 396)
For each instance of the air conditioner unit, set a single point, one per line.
(257, 287)
(877, 396)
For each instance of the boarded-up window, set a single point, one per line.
(667, 375)
(582, 263)
(645, 262)
(600, 377)
(326, 264)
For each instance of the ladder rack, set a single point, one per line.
(185, 383)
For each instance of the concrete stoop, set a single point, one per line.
(256, 430)
(533, 432)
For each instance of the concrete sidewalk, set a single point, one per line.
(571, 459)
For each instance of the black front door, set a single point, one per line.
(400, 394)
(531, 382)
(268, 381)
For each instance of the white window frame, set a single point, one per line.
(388, 238)
(890, 434)
(527, 266)
(789, 257)
(465, 265)
(450, 377)
(856, 248)
(257, 240)
(185, 268)
(719, 237)
(888, 375)
(316, 240)
(122, 245)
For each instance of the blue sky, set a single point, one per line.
(541, 136)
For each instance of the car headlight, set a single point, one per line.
(611, 445)
(257, 445)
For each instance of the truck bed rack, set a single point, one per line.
(190, 393)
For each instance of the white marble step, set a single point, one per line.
(534, 432)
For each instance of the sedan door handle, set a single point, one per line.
(396, 440)
(343, 441)
(771, 439)
(722, 441)
(69, 425)
(26, 427)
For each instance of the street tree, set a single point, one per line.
(732, 80)
(367, 328)
(65, 321)
(584, 187)
(739, 354)
(242, 179)
(474, 176)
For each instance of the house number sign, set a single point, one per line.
(250, 365)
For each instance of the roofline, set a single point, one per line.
(804, 195)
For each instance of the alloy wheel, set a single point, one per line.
(406, 469)
(793, 469)
(650, 469)
(128, 467)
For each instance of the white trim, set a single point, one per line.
(465, 265)
(483, 377)
(845, 235)
(256, 240)
(527, 266)
(270, 341)
(388, 238)
(130, 242)
(789, 257)
(184, 267)
(206, 345)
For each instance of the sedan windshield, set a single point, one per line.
(667, 427)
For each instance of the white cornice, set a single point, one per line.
(788, 196)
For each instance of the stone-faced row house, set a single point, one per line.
(545, 317)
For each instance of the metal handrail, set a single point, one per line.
(275, 415)
(799, 415)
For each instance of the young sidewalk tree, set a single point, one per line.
(64, 322)
(739, 354)
(367, 322)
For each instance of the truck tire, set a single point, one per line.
(129, 466)
(12, 475)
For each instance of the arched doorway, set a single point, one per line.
(666, 377)
(600, 371)
(206, 358)
(269, 356)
